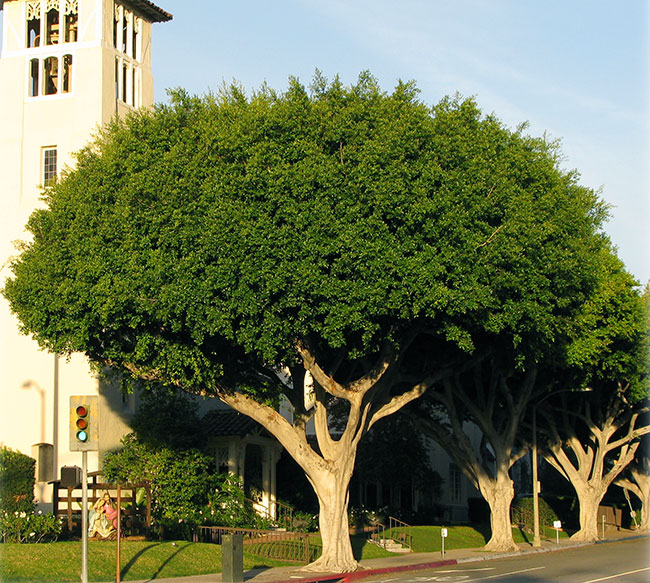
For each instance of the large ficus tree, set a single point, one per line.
(340, 237)
(592, 437)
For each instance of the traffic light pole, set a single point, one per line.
(84, 517)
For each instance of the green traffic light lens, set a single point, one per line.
(82, 436)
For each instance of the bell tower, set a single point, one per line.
(66, 68)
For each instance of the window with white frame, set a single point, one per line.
(49, 164)
(56, 21)
(49, 75)
(127, 27)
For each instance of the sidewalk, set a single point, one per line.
(394, 564)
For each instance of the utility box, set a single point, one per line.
(70, 476)
(232, 558)
(43, 453)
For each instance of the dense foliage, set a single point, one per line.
(167, 451)
(192, 242)
(29, 527)
(16, 481)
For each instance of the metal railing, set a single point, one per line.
(272, 544)
(401, 532)
(282, 515)
(397, 531)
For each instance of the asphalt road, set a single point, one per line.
(615, 562)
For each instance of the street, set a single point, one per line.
(624, 562)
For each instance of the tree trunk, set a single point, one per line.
(642, 480)
(499, 493)
(332, 489)
(645, 516)
(589, 498)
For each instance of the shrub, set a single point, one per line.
(181, 481)
(304, 522)
(29, 527)
(16, 482)
(228, 506)
(522, 514)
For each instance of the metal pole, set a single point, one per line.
(55, 421)
(119, 533)
(84, 517)
(536, 539)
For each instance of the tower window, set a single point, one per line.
(56, 76)
(49, 166)
(116, 24)
(125, 29)
(34, 68)
(52, 22)
(71, 21)
(33, 24)
(67, 73)
(136, 29)
(50, 76)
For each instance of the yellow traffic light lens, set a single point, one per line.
(82, 424)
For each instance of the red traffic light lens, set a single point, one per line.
(81, 411)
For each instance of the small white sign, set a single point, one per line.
(557, 524)
(443, 532)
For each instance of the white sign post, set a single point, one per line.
(443, 534)
(557, 525)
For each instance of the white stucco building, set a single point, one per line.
(66, 67)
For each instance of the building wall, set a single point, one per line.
(35, 386)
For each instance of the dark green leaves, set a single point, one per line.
(215, 232)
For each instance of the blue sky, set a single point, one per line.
(575, 69)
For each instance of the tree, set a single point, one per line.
(593, 437)
(491, 396)
(636, 479)
(248, 247)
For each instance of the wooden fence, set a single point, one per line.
(135, 520)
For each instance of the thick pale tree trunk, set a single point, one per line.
(589, 498)
(332, 490)
(329, 466)
(499, 494)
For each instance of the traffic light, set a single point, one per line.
(84, 423)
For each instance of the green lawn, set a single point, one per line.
(427, 539)
(60, 562)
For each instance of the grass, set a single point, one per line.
(60, 562)
(427, 539)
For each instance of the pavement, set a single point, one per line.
(397, 563)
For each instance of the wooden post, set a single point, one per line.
(69, 510)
